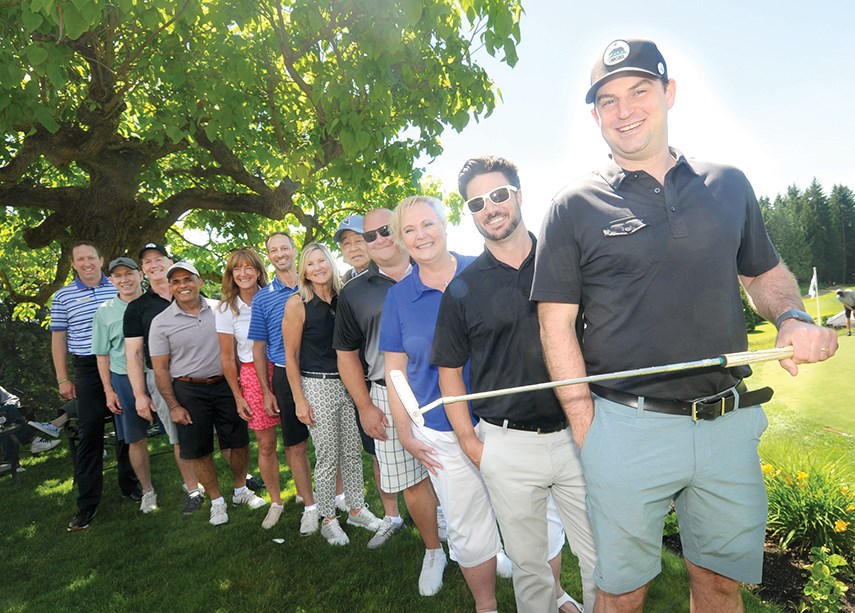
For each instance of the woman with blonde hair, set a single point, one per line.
(322, 401)
(244, 275)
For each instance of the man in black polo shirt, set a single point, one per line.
(650, 252)
(155, 261)
(522, 444)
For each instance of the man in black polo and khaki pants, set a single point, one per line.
(185, 355)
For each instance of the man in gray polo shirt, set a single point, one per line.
(185, 356)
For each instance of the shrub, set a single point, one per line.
(810, 506)
(823, 590)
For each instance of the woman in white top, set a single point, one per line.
(244, 276)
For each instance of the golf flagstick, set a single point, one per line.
(416, 413)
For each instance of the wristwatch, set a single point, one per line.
(793, 314)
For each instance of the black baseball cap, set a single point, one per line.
(154, 246)
(627, 55)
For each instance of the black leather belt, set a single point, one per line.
(380, 382)
(701, 409)
(206, 381)
(513, 425)
(321, 375)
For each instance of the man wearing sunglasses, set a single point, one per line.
(522, 444)
(357, 328)
(634, 249)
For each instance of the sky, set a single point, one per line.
(766, 86)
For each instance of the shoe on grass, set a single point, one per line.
(273, 515)
(148, 502)
(386, 531)
(193, 503)
(219, 514)
(250, 499)
(46, 428)
(82, 520)
(365, 519)
(254, 483)
(199, 488)
(40, 444)
(135, 495)
(332, 532)
(441, 525)
(309, 521)
(430, 579)
(504, 566)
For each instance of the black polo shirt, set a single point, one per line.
(486, 316)
(139, 315)
(655, 270)
(357, 321)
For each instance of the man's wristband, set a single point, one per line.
(793, 314)
(61, 381)
(177, 404)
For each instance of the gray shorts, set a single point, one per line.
(398, 469)
(163, 411)
(636, 462)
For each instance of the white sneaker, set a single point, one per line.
(504, 566)
(430, 579)
(341, 504)
(365, 519)
(273, 515)
(386, 531)
(219, 514)
(333, 533)
(565, 598)
(46, 428)
(250, 499)
(148, 502)
(309, 522)
(40, 444)
(441, 525)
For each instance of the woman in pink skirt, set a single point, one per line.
(244, 276)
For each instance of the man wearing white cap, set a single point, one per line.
(669, 240)
(353, 248)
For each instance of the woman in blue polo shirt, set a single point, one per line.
(406, 336)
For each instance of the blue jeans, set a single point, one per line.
(25, 434)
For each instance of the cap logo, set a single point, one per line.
(616, 53)
(661, 68)
(150, 246)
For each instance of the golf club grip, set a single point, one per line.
(761, 355)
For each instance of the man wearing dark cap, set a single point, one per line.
(668, 240)
(185, 354)
(108, 345)
(352, 245)
(72, 311)
(847, 299)
(155, 261)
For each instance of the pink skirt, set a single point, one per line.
(251, 389)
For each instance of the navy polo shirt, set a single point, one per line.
(268, 309)
(407, 326)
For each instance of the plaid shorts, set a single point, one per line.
(398, 469)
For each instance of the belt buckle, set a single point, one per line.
(712, 415)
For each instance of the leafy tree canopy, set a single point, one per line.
(125, 120)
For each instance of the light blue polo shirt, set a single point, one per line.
(407, 326)
(268, 309)
(73, 308)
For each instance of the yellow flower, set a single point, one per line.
(841, 526)
(844, 489)
(851, 507)
(802, 475)
(768, 470)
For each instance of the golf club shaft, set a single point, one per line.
(726, 360)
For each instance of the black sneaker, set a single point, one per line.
(82, 520)
(193, 503)
(135, 494)
(253, 483)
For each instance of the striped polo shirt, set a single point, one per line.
(73, 309)
(268, 309)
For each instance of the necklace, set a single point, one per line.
(453, 270)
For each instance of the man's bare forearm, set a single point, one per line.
(773, 292)
(134, 356)
(353, 377)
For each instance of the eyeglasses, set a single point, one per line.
(497, 196)
(371, 235)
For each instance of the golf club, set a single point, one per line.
(411, 405)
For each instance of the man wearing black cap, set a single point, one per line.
(650, 251)
(847, 299)
(72, 311)
(155, 261)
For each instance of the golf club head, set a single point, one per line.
(408, 399)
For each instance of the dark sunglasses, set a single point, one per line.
(371, 235)
(497, 196)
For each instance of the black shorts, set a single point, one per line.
(848, 311)
(367, 441)
(294, 431)
(209, 405)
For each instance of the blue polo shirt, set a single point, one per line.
(268, 309)
(407, 326)
(73, 309)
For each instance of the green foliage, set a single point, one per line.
(823, 590)
(672, 525)
(810, 506)
(127, 121)
(26, 363)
